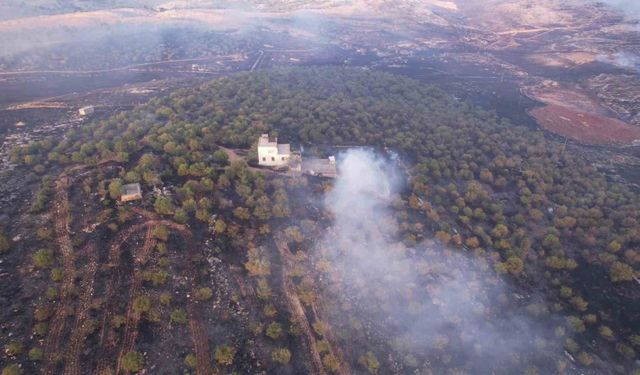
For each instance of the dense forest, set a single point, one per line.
(505, 195)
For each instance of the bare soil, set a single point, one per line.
(587, 128)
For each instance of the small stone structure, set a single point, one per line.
(86, 111)
(131, 192)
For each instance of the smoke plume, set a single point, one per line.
(624, 60)
(429, 301)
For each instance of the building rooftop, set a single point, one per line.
(284, 149)
(131, 189)
(265, 141)
(320, 167)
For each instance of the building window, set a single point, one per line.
(283, 158)
(273, 159)
(264, 159)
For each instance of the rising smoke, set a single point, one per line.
(631, 8)
(426, 299)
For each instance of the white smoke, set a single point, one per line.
(429, 297)
(624, 60)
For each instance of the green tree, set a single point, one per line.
(220, 226)
(606, 333)
(515, 265)
(242, 213)
(115, 188)
(181, 216)
(620, 272)
(163, 206)
(220, 157)
(500, 231)
(161, 232)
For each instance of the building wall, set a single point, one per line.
(130, 197)
(268, 156)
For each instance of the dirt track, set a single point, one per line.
(295, 306)
(108, 340)
(72, 357)
(131, 326)
(61, 221)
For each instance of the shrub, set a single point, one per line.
(606, 333)
(370, 362)
(35, 354)
(156, 278)
(13, 348)
(281, 355)
(330, 363)
(41, 329)
(165, 299)
(203, 294)
(12, 370)
(585, 358)
(274, 330)
(132, 361)
(43, 258)
(52, 292)
(117, 321)
(161, 232)
(224, 354)
(190, 361)
(264, 290)
(42, 313)
(57, 275)
(270, 311)
(43, 234)
(141, 304)
(179, 316)
(5, 244)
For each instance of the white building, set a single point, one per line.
(272, 154)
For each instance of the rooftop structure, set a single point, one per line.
(272, 154)
(130, 192)
(320, 167)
